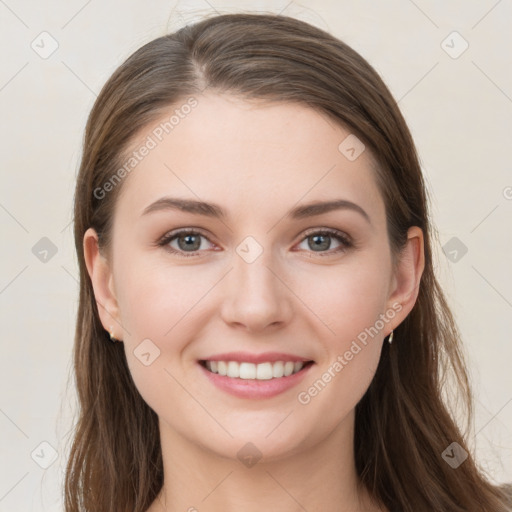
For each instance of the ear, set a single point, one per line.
(406, 278)
(103, 284)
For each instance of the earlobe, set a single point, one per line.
(406, 280)
(102, 281)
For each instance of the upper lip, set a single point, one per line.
(264, 357)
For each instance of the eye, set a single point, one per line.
(188, 241)
(320, 240)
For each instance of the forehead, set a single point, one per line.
(248, 156)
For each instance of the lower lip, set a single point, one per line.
(255, 389)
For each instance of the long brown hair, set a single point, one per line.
(403, 423)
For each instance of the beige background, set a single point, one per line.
(459, 111)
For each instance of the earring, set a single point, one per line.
(390, 339)
(112, 335)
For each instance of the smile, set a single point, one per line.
(261, 371)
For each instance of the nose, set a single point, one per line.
(256, 296)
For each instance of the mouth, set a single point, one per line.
(257, 372)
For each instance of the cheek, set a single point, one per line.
(154, 299)
(356, 300)
(153, 303)
(350, 304)
(347, 300)
(161, 307)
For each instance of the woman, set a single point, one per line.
(260, 326)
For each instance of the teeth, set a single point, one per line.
(288, 368)
(278, 369)
(222, 368)
(247, 371)
(233, 369)
(262, 371)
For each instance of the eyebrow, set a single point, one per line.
(216, 211)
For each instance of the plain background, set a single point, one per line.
(459, 110)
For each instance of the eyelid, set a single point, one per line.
(330, 231)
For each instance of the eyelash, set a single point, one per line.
(338, 235)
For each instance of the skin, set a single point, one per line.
(256, 160)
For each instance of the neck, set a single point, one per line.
(320, 477)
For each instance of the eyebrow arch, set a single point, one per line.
(216, 211)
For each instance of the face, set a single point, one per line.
(254, 279)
